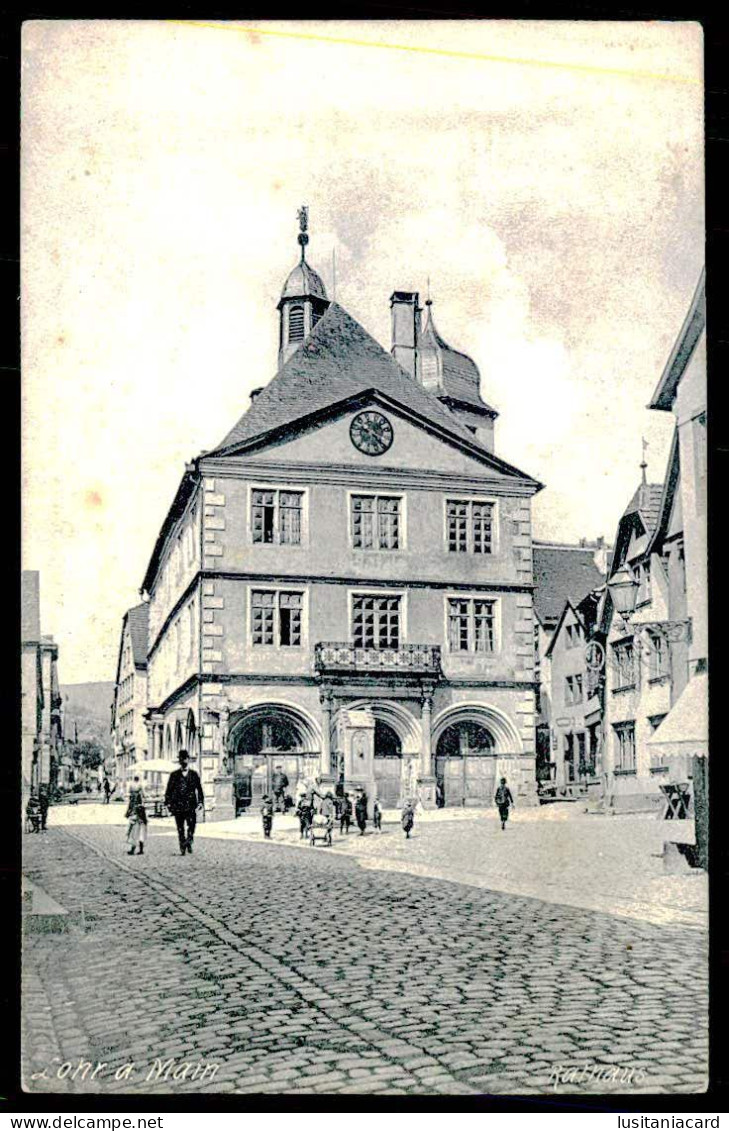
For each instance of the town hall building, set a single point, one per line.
(343, 585)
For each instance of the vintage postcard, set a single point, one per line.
(364, 633)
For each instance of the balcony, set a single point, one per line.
(338, 658)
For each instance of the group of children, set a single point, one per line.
(333, 808)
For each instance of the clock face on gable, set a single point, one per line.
(371, 433)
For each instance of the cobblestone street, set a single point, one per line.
(300, 971)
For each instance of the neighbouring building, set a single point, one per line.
(563, 575)
(657, 652)
(343, 585)
(42, 719)
(680, 544)
(128, 724)
(575, 700)
(636, 679)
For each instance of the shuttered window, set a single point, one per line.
(296, 324)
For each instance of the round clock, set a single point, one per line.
(371, 433)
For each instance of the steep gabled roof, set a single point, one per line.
(646, 502)
(694, 323)
(673, 474)
(138, 620)
(644, 508)
(340, 360)
(562, 575)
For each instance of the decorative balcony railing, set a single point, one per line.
(408, 659)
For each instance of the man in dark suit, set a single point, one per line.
(183, 797)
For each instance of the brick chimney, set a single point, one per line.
(405, 311)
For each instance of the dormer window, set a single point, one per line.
(296, 324)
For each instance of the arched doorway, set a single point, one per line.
(263, 742)
(388, 765)
(465, 765)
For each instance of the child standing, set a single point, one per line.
(345, 819)
(267, 815)
(360, 812)
(407, 819)
(377, 817)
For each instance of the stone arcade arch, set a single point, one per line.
(468, 740)
(397, 747)
(265, 737)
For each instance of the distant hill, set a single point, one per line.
(88, 705)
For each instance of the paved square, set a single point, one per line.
(297, 971)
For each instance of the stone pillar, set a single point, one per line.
(426, 781)
(357, 742)
(325, 762)
(151, 752)
(223, 806)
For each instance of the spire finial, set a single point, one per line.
(303, 217)
(644, 465)
(428, 301)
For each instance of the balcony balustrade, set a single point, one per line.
(408, 659)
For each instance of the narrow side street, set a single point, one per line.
(298, 971)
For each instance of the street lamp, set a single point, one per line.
(623, 589)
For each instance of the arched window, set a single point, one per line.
(296, 324)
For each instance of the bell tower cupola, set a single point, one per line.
(303, 299)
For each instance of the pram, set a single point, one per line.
(32, 817)
(321, 829)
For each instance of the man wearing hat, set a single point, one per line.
(183, 797)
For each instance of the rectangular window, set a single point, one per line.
(573, 690)
(471, 624)
(624, 665)
(290, 503)
(625, 746)
(276, 516)
(276, 618)
(375, 621)
(469, 526)
(375, 522)
(659, 660)
(574, 635)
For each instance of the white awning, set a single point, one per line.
(685, 729)
(153, 766)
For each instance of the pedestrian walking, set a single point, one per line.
(267, 815)
(360, 812)
(107, 790)
(504, 801)
(407, 818)
(137, 816)
(279, 785)
(345, 816)
(377, 816)
(183, 797)
(44, 800)
(327, 806)
(305, 813)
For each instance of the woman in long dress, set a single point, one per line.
(137, 817)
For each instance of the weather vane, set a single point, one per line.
(303, 218)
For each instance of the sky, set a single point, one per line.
(547, 178)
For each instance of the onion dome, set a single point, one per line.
(304, 282)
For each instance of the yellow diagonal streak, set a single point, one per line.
(342, 41)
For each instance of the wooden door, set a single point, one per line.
(388, 775)
(449, 772)
(480, 774)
